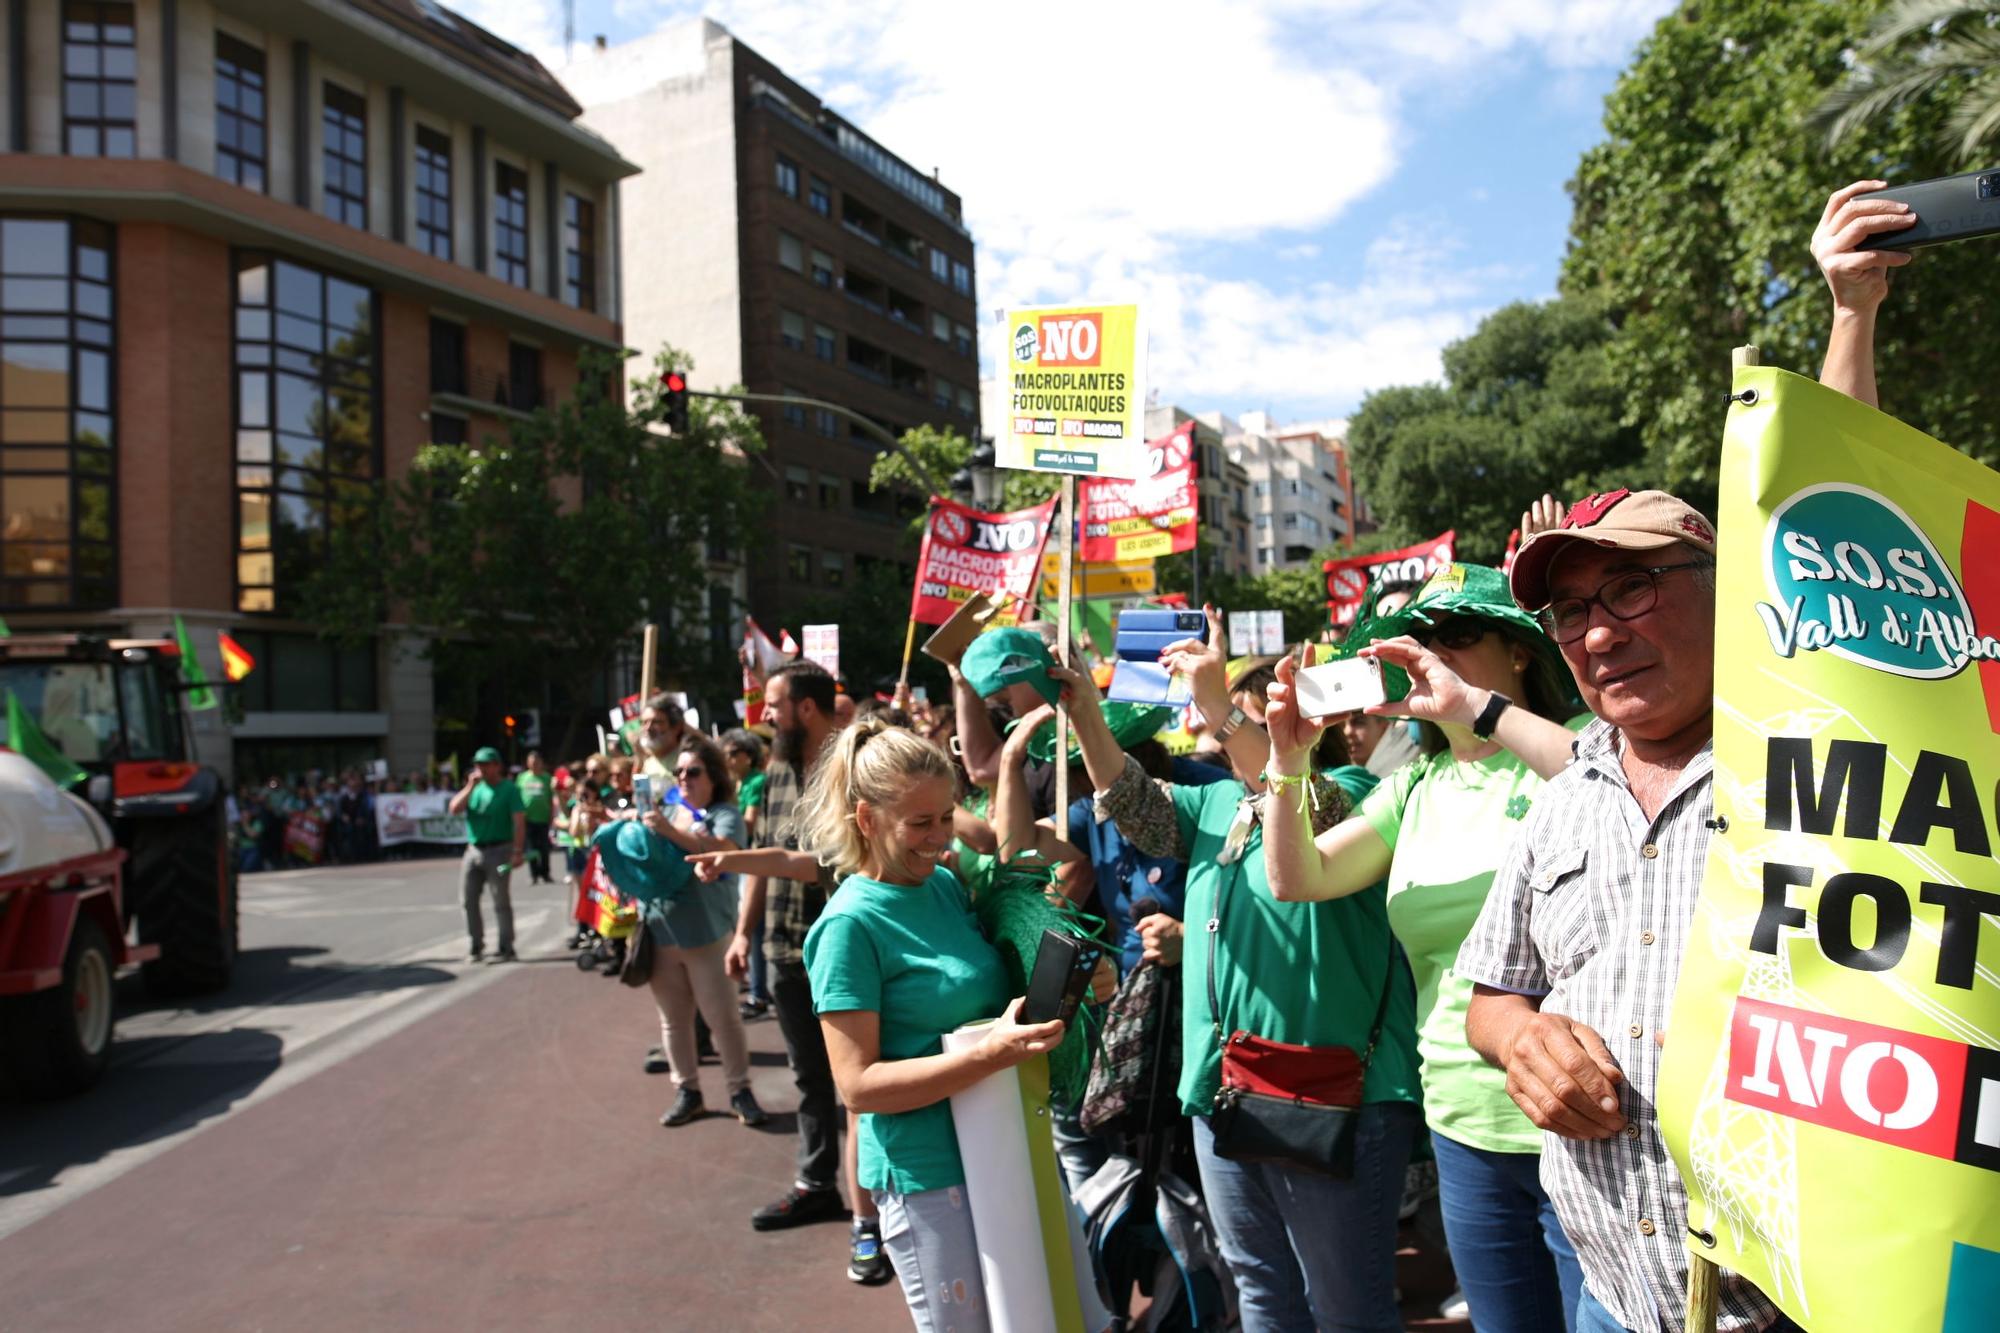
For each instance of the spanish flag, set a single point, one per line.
(236, 663)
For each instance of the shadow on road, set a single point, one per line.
(285, 975)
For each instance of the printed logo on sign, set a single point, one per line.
(1025, 343)
(1851, 574)
(951, 527)
(1062, 340)
(1020, 535)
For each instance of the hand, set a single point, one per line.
(902, 696)
(1161, 937)
(1561, 1074)
(1203, 663)
(1437, 693)
(1104, 981)
(520, 857)
(709, 866)
(1292, 733)
(1540, 516)
(1859, 279)
(655, 822)
(736, 962)
(1009, 1042)
(1079, 690)
(1016, 748)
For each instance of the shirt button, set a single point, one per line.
(1636, 1030)
(1645, 937)
(1645, 1226)
(1631, 1131)
(1650, 851)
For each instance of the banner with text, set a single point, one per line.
(821, 645)
(1076, 391)
(1830, 1088)
(1144, 519)
(966, 551)
(1348, 581)
(417, 816)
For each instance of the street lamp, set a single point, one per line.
(987, 483)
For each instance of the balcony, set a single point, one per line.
(861, 220)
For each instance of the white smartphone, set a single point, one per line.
(1340, 687)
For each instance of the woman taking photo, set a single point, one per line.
(1310, 1237)
(897, 961)
(691, 932)
(1437, 828)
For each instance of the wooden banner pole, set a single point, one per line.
(1063, 592)
(649, 660)
(909, 646)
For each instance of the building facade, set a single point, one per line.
(255, 254)
(789, 253)
(1301, 489)
(1221, 485)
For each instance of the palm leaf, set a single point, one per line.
(1921, 18)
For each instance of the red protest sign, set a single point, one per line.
(1154, 516)
(966, 550)
(1348, 581)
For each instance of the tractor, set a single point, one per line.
(138, 848)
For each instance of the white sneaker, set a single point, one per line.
(1455, 1307)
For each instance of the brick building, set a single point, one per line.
(789, 252)
(256, 253)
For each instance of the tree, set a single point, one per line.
(1528, 405)
(513, 582)
(942, 453)
(1920, 49)
(1693, 219)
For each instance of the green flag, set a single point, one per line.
(199, 695)
(26, 739)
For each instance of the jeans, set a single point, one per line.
(931, 1242)
(538, 853)
(1592, 1317)
(691, 982)
(819, 1111)
(1309, 1251)
(760, 966)
(1517, 1268)
(487, 868)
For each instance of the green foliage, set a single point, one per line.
(1528, 405)
(490, 550)
(942, 452)
(1920, 49)
(1692, 226)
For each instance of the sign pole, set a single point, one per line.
(649, 660)
(909, 645)
(1063, 654)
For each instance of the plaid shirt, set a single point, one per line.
(1590, 911)
(790, 907)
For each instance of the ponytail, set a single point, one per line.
(869, 761)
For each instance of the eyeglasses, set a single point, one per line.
(1455, 635)
(1626, 596)
(691, 771)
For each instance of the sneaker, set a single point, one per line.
(1420, 1185)
(656, 1061)
(687, 1106)
(743, 1104)
(1455, 1307)
(752, 1010)
(506, 956)
(798, 1207)
(867, 1261)
(476, 954)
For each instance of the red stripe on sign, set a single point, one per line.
(1981, 581)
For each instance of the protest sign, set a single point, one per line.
(966, 551)
(1348, 581)
(1128, 579)
(1144, 519)
(417, 816)
(1076, 391)
(305, 837)
(1256, 633)
(1830, 1088)
(822, 645)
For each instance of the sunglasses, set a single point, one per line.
(691, 771)
(1452, 634)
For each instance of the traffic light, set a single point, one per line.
(676, 386)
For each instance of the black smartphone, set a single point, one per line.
(1063, 968)
(1950, 208)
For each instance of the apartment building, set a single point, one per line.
(1221, 483)
(255, 254)
(789, 253)
(1301, 489)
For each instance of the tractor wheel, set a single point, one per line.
(57, 1042)
(184, 886)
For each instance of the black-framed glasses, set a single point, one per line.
(1625, 596)
(691, 771)
(1455, 635)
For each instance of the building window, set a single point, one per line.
(941, 392)
(788, 178)
(961, 278)
(799, 563)
(1263, 520)
(791, 254)
(833, 568)
(961, 339)
(1262, 490)
(823, 342)
(966, 406)
(1267, 555)
(56, 394)
(940, 265)
(792, 330)
(306, 442)
(433, 192)
(940, 327)
(449, 429)
(302, 673)
(820, 198)
(524, 376)
(239, 112)
(829, 492)
(510, 224)
(798, 486)
(344, 156)
(579, 252)
(100, 88)
(447, 356)
(822, 268)
(1290, 521)
(795, 415)
(826, 423)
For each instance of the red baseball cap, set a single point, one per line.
(1626, 520)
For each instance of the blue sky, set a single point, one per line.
(1311, 197)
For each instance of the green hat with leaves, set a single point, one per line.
(1477, 592)
(1129, 723)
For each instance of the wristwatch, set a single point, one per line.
(1237, 717)
(1489, 716)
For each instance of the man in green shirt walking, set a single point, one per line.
(496, 836)
(536, 803)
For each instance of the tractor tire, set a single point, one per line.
(57, 1042)
(184, 886)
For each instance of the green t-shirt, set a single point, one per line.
(976, 869)
(750, 792)
(534, 789)
(489, 813)
(1306, 973)
(914, 956)
(1448, 825)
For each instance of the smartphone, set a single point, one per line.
(642, 792)
(1950, 208)
(1164, 620)
(1063, 968)
(1340, 687)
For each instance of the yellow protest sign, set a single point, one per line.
(1076, 391)
(1093, 579)
(1830, 1088)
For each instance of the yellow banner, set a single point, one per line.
(1099, 580)
(1076, 391)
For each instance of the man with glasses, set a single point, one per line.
(1575, 955)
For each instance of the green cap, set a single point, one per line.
(1129, 723)
(1003, 657)
(486, 754)
(1478, 591)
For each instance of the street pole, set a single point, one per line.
(868, 426)
(1064, 656)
